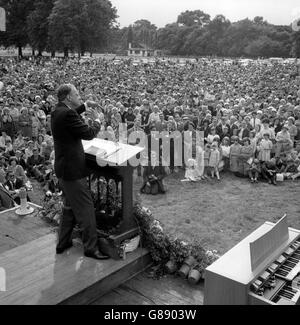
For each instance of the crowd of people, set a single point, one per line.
(249, 114)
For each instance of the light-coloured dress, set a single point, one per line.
(214, 158)
(265, 149)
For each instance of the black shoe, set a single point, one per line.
(97, 255)
(60, 250)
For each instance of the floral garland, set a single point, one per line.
(52, 209)
(164, 248)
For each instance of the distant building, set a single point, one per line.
(143, 51)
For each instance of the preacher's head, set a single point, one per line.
(69, 95)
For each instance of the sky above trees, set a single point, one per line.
(162, 12)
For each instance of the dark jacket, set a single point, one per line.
(6, 200)
(16, 185)
(31, 161)
(246, 133)
(233, 128)
(68, 129)
(219, 129)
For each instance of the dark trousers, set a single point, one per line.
(253, 174)
(268, 176)
(79, 209)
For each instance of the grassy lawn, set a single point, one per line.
(218, 214)
(221, 214)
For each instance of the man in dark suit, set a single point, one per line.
(68, 129)
(243, 132)
(6, 199)
(14, 184)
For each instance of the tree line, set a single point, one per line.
(58, 25)
(196, 34)
(90, 25)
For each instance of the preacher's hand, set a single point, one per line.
(92, 114)
(91, 104)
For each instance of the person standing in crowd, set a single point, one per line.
(25, 123)
(68, 130)
(283, 141)
(246, 153)
(265, 148)
(214, 161)
(235, 150)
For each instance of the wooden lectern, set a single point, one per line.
(110, 160)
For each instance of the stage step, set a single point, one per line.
(35, 275)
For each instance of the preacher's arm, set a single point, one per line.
(78, 128)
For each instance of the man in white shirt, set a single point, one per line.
(255, 120)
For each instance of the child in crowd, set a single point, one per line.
(269, 171)
(225, 150)
(214, 161)
(254, 171)
(265, 148)
(253, 141)
(191, 172)
(206, 160)
(235, 150)
(297, 174)
(292, 165)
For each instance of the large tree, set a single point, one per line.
(144, 32)
(38, 25)
(196, 17)
(80, 24)
(17, 12)
(295, 50)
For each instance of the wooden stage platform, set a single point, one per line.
(35, 275)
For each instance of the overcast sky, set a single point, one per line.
(162, 12)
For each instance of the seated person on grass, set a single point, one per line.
(13, 185)
(254, 171)
(269, 171)
(35, 165)
(52, 185)
(153, 177)
(6, 198)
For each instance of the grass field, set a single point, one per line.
(218, 214)
(221, 214)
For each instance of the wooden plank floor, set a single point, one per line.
(16, 231)
(143, 290)
(35, 275)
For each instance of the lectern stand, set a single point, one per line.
(115, 166)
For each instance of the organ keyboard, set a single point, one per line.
(263, 269)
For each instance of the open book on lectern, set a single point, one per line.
(108, 152)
